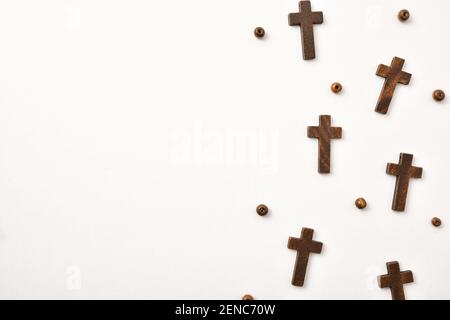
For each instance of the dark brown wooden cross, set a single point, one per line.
(306, 19)
(324, 132)
(395, 280)
(404, 171)
(393, 75)
(304, 246)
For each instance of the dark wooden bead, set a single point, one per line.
(436, 222)
(438, 95)
(336, 87)
(404, 15)
(259, 32)
(247, 297)
(361, 203)
(262, 210)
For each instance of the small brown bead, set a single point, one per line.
(436, 222)
(361, 203)
(262, 210)
(336, 87)
(259, 32)
(438, 95)
(404, 15)
(247, 297)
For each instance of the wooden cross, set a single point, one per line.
(306, 20)
(393, 75)
(395, 280)
(324, 132)
(404, 171)
(304, 246)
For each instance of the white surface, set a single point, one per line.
(137, 138)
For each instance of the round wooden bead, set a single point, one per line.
(336, 87)
(262, 210)
(259, 32)
(404, 15)
(436, 222)
(438, 95)
(361, 203)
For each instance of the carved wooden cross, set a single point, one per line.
(393, 75)
(395, 280)
(306, 20)
(404, 171)
(304, 246)
(324, 132)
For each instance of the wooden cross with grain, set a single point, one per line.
(304, 246)
(306, 19)
(395, 279)
(324, 133)
(393, 75)
(404, 170)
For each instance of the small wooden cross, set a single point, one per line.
(395, 280)
(324, 132)
(306, 20)
(393, 75)
(404, 171)
(304, 246)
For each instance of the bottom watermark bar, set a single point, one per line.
(201, 309)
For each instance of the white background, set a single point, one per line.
(137, 138)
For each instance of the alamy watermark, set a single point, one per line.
(73, 278)
(226, 147)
